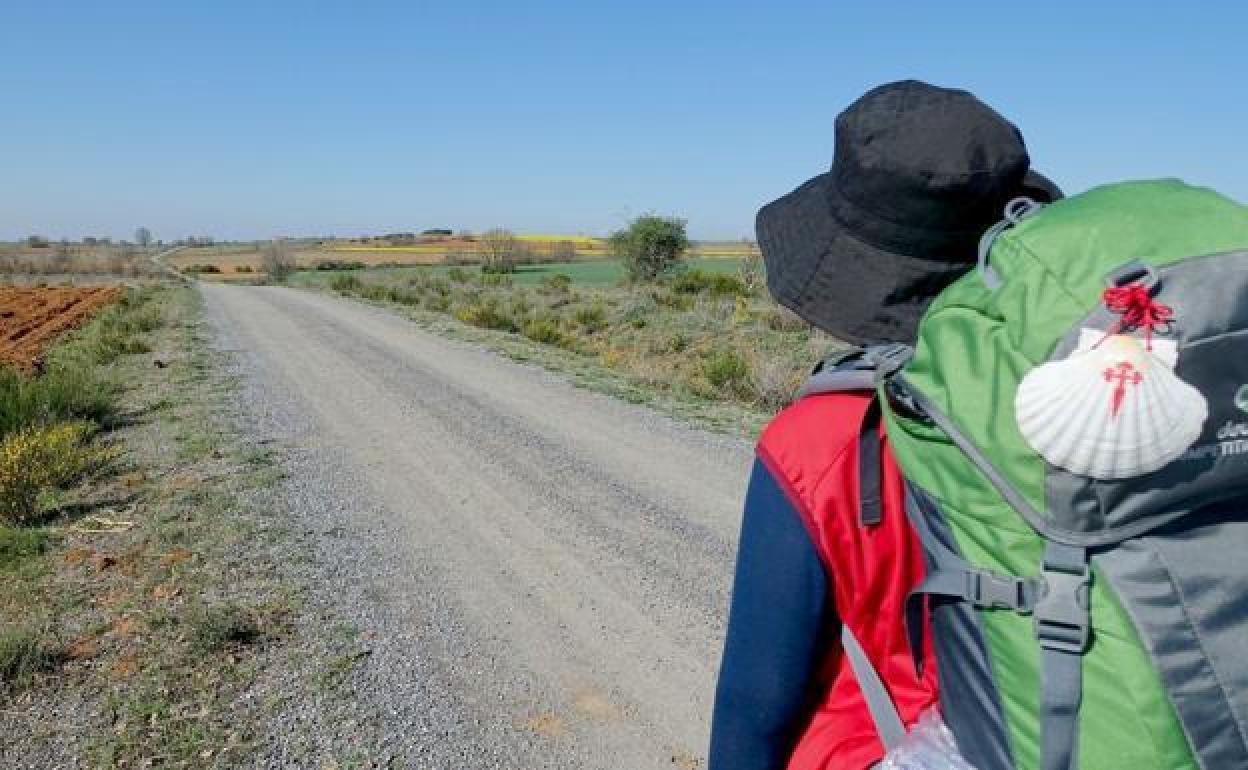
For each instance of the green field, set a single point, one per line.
(589, 273)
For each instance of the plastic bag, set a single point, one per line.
(928, 746)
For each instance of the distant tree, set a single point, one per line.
(277, 262)
(143, 237)
(650, 246)
(500, 250)
(436, 231)
(36, 242)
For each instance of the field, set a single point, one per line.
(241, 261)
(596, 273)
(31, 319)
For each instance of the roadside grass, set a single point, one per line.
(137, 605)
(600, 273)
(706, 344)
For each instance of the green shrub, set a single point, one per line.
(591, 318)
(439, 303)
(71, 388)
(543, 329)
(375, 292)
(201, 269)
(496, 278)
(486, 315)
(557, 283)
(224, 627)
(459, 275)
(20, 544)
(345, 284)
(24, 652)
(727, 370)
(36, 460)
(338, 264)
(719, 284)
(650, 245)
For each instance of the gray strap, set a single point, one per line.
(837, 381)
(883, 712)
(953, 578)
(1016, 211)
(1063, 630)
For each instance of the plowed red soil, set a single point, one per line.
(32, 319)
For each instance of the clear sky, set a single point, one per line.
(251, 119)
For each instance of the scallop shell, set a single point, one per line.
(1112, 410)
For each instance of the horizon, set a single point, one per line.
(244, 123)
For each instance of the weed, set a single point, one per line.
(544, 329)
(459, 275)
(19, 545)
(557, 283)
(726, 369)
(65, 391)
(24, 652)
(591, 318)
(222, 627)
(486, 315)
(345, 284)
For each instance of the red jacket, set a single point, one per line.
(810, 453)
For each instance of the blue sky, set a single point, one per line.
(250, 119)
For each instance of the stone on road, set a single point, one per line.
(558, 561)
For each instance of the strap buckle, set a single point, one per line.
(1062, 611)
(988, 590)
(888, 359)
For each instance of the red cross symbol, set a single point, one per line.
(1122, 375)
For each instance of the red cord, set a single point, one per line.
(1138, 309)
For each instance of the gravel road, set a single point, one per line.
(541, 572)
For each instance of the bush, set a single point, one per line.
(459, 275)
(718, 284)
(244, 269)
(557, 283)
(20, 544)
(65, 391)
(650, 246)
(543, 329)
(24, 652)
(489, 278)
(727, 370)
(201, 269)
(591, 318)
(486, 315)
(226, 627)
(277, 262)
(345, 283)
(38, 459)
(338, 264)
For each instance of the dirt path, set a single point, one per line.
(563, 559)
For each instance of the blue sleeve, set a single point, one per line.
(776, 629)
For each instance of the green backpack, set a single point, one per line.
(1079, 621)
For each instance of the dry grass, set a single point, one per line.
(707, 336)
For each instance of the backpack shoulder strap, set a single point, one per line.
(856, 369)
(861, 370)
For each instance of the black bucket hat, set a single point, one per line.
(919, 174)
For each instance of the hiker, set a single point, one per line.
(826, 558)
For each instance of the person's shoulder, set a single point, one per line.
(813, 434)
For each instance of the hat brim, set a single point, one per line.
(856, 291)
(1040, 188)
